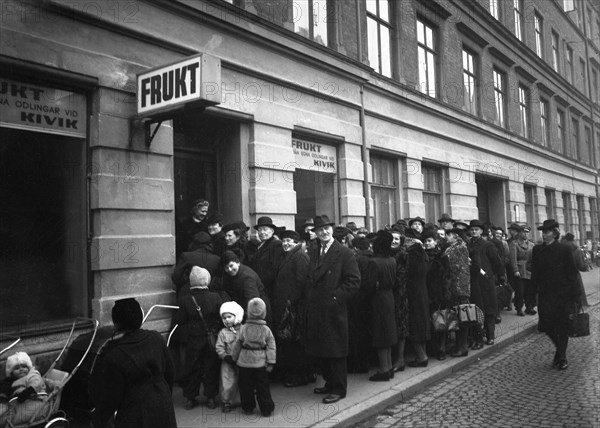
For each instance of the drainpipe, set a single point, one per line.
(593, 131)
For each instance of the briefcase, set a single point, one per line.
(468, 314)
(579, 324)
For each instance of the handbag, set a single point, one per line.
(444, 320)
(469, 314)
(286, 331)
(210, 336)
(579, 324)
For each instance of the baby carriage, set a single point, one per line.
(47, 413)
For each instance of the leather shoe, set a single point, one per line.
(489, 342)
(332, 398)
(530, 311)
(441, 356)
(498, 320)
(399, 368)
(416, 363)
(379, 377)
(459, 353)
(562, 365)
(520, 313)
(321, 390)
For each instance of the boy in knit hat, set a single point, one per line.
(232, 315)
(23, 382)
(255, 351)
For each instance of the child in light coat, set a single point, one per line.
(22, 382)
(232, 315)
(255, 352)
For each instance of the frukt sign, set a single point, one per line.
(194, 80)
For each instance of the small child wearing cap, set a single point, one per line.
(22, 382)
(255, 352)
(232, 315)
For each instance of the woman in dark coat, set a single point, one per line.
(235, 240)
(400, 297)
(289, 292)
(380, 284)
(553, 271)
(133, 375)
(418, 299)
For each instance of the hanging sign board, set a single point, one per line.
(193, 80)
(42, 109)
(314, 156)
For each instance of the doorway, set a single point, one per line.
(491, 200)
(316, 194)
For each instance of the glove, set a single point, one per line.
(269, 368)
(229, 359)
(25, 394)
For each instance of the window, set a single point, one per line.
(550, 203)
(544, 122)
(310, 20)
(427, 58)
(580, 215)
(500, 97)
(524, 111)
(575, 138)
(432, 191)
(566, 197)
(588, 24)
(588, 155)
(569, 65)
(594, 94)
(518, 8)
(539, 35)
(379, 29)
(555, 52)
(384, 190)
(530, 204)
(583, 76)
(495, 8)
(561, 132)
(594, 217)
(470, 83)
(568, 5)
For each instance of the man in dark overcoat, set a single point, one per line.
(268, 256)
(334, 278)
(554, 273)
(487, 266)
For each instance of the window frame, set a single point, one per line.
(311, 22)
(494, 9)
(566, 197)
(545, 121)
(500, 96)
(588, 152)
(531, 203)
(428, 51)
(437, 195)
(472, 75)
(538, 25)
(393, 188)
(524, 111)
(575, 136)
(582, 64)
(569, 66)
(550, 202)
(555, 51)
(561, 130)
(519, 21)
(381, 22)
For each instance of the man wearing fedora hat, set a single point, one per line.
(446, 222)
(268, 255)
(334, 278)
(486, 268)
(554, 274)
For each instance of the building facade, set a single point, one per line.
(368, 111)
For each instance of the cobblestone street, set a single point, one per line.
(515, 388)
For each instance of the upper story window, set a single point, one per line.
(470, 82)
(544, 122)
(384, 189)
(495, 8)
(570, 64)
(539, 35)
(588, 154)
(524, 111)
(568, 5)
(583, 76)
(427, 50)
(530, 203)
(310, 20)
(433, 190)
(379, 30)
(594, 94)
(518, 8)
(555, 52)
(575, 138)
(500, 97)
(561, 132)
(550, 203)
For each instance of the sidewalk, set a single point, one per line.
(300, 407)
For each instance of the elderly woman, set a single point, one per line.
(417, 224)
(132, 375)
(289, 293)
(554, 273)
(235, 240)
(398, 252)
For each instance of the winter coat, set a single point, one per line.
(457, 270)
(400, 292)
(437, 287)
(186, 230)
(581, 266)
(380, 283)
(266, 261)
(484, 256)
(187, 316)
(290, 284)
(520, 251)
(226, 339)
(554, 273)
(255, 345)
(333, 280)
(32, 379)
(245, 286)
(418, 299)
(133, 375)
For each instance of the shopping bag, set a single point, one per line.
(468, 314)
(444, 320)
(579, 324)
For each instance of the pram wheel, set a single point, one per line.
(58, 422)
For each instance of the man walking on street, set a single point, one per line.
(334, 278)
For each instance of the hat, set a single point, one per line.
(401, 222)
(548, 224)
(445, 217)
(257, 310)
(411, 233)
(202, 238)
(419, 219)
(322, 220)
(199, 277)
(232, 308)
(265, 221)
(215, 218)
(569, 237)
(458, 231)
(308, 223)
(461, 223)
(231, 226)
(340, 232)
(515, 226)
(292, 234)
(127, 314)
(526, 228)
(383, 242)
(17, 358)
(429, 233)
(229, 256)
(476, 223)
(352, 226)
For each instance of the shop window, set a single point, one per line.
(530, 204)
(427, 57)
(379, 30)
(433, 191)
(470, 83)
(311, 20)
(500, 97)
(384, 190)
(550, 203)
